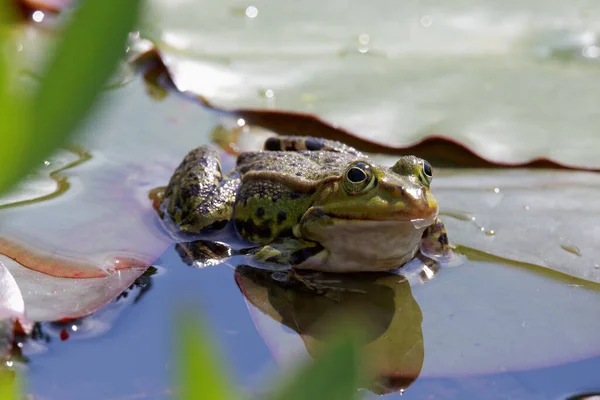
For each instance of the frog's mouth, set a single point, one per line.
(418, 223)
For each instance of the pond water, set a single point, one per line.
(518, 318)
(488, 327)
(130, 354)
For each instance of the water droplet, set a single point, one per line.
(251, 12)
(269, 93)
(363, 43)
(74, 328)
(364, 39)
(526, 207)
(46, 163)
(496, 190)
(38, 16)
(420, 223)
(463, 216)
(426, 21)
(241, 122)
(571, 249)
(9, 363)
(597, 266)
(19, 47)
(591, 52)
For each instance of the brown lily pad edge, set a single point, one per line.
(439, 150)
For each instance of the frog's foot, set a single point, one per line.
(304, 143)
(289, 252)
(435, 243)
(203, 253)
(285, 252)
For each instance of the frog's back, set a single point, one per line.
(307, 166)
(278, 187)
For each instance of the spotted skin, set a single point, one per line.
(435, 240)
(303, 203)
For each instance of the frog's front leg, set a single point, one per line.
(198, 197)
(291, 252)
(307, 143)
(435, 243)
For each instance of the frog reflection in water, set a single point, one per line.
(311, 203)
(392, 345)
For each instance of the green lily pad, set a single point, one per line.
(491, 76)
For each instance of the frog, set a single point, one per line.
(311, 204)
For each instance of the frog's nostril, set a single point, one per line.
(397, 192)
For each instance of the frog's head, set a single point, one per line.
(371, 214)
(366, 191)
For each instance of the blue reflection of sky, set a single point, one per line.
(135, 358)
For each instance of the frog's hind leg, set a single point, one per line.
(199, 198)
(307, 143)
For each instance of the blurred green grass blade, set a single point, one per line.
(8, 386)
(201, 374)
(91, 47)
(85, 57)
(333, 376)
(10, 117)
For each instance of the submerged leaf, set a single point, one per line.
(51, 298)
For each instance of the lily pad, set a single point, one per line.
(92, 218)
(475, 73)
(11, 299)
(496, 312)
(546, 218)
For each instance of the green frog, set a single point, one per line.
(311, 203)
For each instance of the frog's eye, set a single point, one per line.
(358, 178)
(426, 174)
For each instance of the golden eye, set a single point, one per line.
(426, 173)
(358, 178)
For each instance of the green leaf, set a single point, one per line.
(85, 57)
(201, 375)
(333, 376)
(8, 386)
(7, 104)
